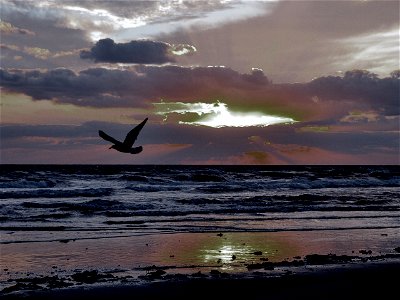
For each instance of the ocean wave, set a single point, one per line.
(94, 204)
(285, 174)
(153, 188)
(84, 208)
(199, 177)
(330, 183)
(27, 183)
(137, 178)
(222, 188)
(88, 197)
(110, 208)
(56, 193)
(199, 201)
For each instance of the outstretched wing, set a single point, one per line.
(133, 134)
(108, 138)
(136, 150)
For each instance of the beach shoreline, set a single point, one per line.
(375, 280)
(188, 232)
(256, 265)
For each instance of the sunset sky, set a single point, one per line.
(222, 82)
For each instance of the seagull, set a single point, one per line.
(126, 146)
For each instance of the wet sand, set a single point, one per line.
(370, 281)
(350, 264)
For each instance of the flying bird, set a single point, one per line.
(126, 146)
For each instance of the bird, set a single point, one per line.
(126, 145)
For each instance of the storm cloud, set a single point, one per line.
(138, 52)
(142, 86)
(131, 87)
(360, 85)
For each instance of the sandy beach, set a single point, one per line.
(350, 264)
(369, 281)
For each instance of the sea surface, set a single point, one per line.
(40, 203)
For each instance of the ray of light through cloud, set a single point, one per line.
(102, 17)
(182, 49)
(218, 115)
(148, 19)
(60, 83)
(377, 51)
(225, 12)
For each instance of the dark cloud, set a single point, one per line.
(325, 98)
(360, 85)
(132, 87)
(92, 87)
(138, 52)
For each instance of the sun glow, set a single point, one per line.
(218, 115)
(182, 49)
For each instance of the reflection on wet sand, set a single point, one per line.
(189, 252)
(232, 251)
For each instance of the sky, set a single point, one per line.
(222, 82)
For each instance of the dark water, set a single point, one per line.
(45, 203)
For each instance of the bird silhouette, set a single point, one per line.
(126, 146)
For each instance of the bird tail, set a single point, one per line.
(136, 150)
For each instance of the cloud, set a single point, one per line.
(218, 115)
(105, 18)
(188, 15)
(92, 87)
(37, 52)
(257, 157)
(376, 51)
(50, 34)
(8, 28)
(9, 47)
(300, 155)
(138, 52)
(140, 86)
(311, 128)
(174, 144)
(299, 40)
(360, 116)
(130, 87)
(360, 86)
(10, 131)
(182, 49)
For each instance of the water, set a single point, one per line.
(62, 203)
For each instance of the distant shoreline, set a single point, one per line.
(210, 165)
